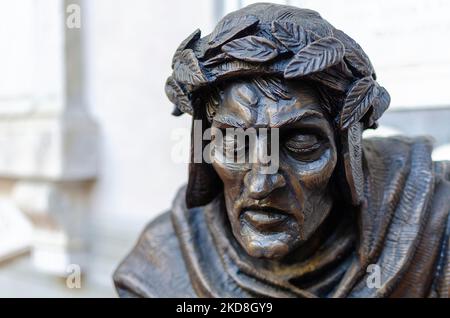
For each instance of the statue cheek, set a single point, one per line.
(316, 174)
(316, 209)
(233, 181)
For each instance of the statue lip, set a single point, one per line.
(264, 218)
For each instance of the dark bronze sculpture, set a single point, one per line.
(337, 208)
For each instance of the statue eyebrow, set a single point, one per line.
(297, 117)
(230, 122)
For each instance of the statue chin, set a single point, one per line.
(266, 247)
(268, 236)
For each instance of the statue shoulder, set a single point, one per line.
(442, 283)
(155, 266)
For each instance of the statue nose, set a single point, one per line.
(260, 185)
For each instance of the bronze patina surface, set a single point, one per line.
(337, 207)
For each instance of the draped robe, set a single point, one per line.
(402, 228)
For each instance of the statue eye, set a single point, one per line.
(303, 145)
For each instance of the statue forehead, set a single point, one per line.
(246, 104)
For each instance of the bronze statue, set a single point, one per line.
(337, 211)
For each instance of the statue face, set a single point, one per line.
(272, 214)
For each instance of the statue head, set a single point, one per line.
(287, 71)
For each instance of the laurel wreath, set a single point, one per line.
(289, 50)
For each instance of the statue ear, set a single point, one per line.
(203, 184)
(353, 161)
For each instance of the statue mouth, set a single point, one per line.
(264, 219)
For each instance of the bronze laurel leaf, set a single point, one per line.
(355, 55)
(251, 49)
(185, 45)
(187, 69)
(337, 77)
(291, 35)
(177, 96)
(358, 101)
(220, 58)
(380, 104)
(315, 57)
(229, 28)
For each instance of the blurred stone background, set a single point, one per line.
(86, 135)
